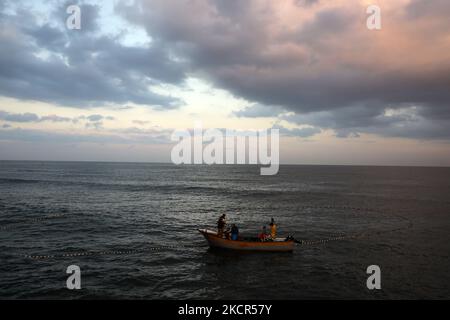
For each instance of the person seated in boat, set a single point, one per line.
(273, 229)
(227, 234)
(234, 232)
(221, 225)
(263, 235)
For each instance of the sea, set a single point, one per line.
(131, 229)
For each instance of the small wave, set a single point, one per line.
(16, 180)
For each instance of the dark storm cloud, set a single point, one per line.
(297, 132)
(79, 67)
(313, 58)
(258, 111)
(406, 122)
(32, 117)
(327, 61)
(55, 118)
(18, 117)
(424, 9)
(95, 117)
(95, 120)
(305, 2)
(127, 136)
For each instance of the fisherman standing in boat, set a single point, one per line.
(273, 229)
(221, 225)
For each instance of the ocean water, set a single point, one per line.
(132, 230)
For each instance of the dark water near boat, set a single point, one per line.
(120, 206)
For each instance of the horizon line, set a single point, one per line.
(245, 164)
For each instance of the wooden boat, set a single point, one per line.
(276, 245)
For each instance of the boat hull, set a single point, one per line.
(278, 245)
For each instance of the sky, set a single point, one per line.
(135, 71)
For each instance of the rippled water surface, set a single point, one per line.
(60, 208)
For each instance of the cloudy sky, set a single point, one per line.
(136, 70)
